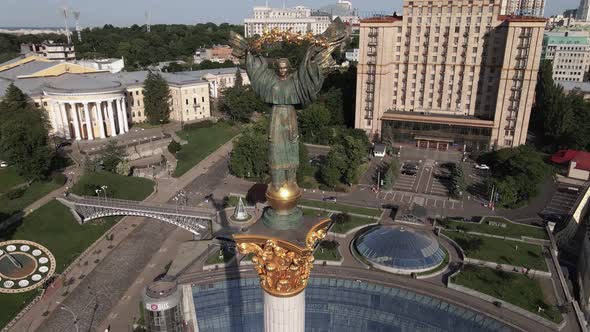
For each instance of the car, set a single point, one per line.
(64, 144)
(408, 171)
(410, 166)
(329, 199)
(482, 166)
(3, 164)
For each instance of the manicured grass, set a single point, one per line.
(123, 187)
(315, 213)
(53, 226)
(9, 178)
(500, 251)
(33, 192)
(219, 257)
(511, 229)
(340, 207)
(327, 254)
(355, 221)
(201, 143)
(513, 288)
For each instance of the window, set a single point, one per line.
(137, 93)
(194, 100)
(203, 99)
(187, 101)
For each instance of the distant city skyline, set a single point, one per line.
(35, 13)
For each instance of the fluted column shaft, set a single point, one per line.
(284, 314)
(56, 120)
(76, 121)
(89, 133)
(111, 118)
(65, 120)
(120, 117)
(100, 119)
(125, 119)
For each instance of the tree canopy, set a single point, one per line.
(24, 135)
(239, 102)
(156, 99)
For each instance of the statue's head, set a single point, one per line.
(283, 67)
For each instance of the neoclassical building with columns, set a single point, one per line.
(86, 104)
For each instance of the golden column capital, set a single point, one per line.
(283, 267)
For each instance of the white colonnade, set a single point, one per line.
(90, 119)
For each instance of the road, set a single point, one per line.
(100, 291)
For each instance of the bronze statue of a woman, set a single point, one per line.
(286, 90)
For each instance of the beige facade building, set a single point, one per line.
(86, 104)
(569, 51)
(523, 7)
(448, 73)
(297, 19)
(51, 50)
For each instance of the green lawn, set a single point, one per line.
(118, 186)
(514, 288)
(9, 178)
(327, 254)
(315, 213)
(511, 229)
(53, 226)
(201, 143)
(354, 222)
(33, 192)
(500, 251)
(340, 207)
(216, 258)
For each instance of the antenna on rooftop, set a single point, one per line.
(65, 12)
(78, 30)
(148, 18)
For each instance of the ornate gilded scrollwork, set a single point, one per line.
(283, 268)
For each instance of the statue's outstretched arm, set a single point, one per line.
(239, 44)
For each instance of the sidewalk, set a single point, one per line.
(84, 265)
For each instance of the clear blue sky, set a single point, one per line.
(127, 12)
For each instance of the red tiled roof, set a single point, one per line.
(581, 158)
(382, 19)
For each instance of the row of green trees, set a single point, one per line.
(24, 136)
(561, 119)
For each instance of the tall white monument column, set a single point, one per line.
(125, 119)
(89, 131)
(98, 106)
(284, 314)
(111, 118)
(76, 118)
(120, 117)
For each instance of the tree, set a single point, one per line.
(111, 156)
(239, 102)
(239, 80)
(123, 168)
(156, 99)
(304, 167)
(390, 174)
(314, 122)
(24, 135)
(331, 172)
(249, 157)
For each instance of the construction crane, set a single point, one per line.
(78, 30)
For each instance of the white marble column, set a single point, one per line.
(125, 119)
(98, 105)
(65, 120)
(56, 120)
(76, 118)
(111, 118)
(284, 314)
(89, 131)
(120, 117)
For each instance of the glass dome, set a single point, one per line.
(400, 249)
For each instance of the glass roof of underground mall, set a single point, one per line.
(336, 305)
(400, 248)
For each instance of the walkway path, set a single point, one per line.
(105, 283)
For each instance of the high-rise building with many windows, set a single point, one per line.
(448, 73)
(297, 19)
(523, 7)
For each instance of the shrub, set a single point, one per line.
(59, 179)
(197, 125)
(16, 193)
(174, 147)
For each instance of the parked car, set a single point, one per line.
(408, 171)
(482, 166)
(329, 199)
(63, 144)
(3, 164)
(411, 166)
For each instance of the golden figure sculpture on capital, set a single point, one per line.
(283, 267)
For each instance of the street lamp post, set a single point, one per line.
(104, 190)
(64, 307)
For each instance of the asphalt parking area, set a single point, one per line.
(562, 201)
(439, 187)
(405, 182)
(401, 198)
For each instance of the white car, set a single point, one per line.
(3, 164)
(482, 166)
